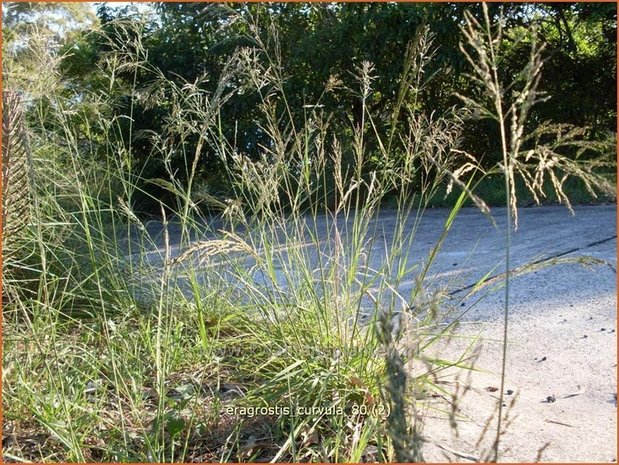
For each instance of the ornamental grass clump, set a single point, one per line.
(270, 320)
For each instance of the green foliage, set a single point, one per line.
(318, 46)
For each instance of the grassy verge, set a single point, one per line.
(260, 338)
(258, 341)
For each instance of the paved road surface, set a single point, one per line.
(473, 248)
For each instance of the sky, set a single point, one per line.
(139, 5)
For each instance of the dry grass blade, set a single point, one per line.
(15, 171)
(463, 455)
(547, 159)
(203, 250)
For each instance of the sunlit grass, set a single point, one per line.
(267, 334)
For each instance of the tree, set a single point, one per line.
(315, 44)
